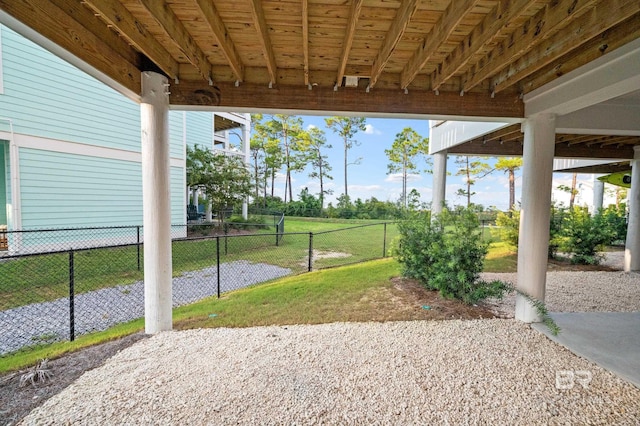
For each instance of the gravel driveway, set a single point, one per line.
(101, 309)
(440, 372)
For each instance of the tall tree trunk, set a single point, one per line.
(572, 197)
(512, 188)
(468, 184)
(321, 184)
(273, 180)
(404, 177)
(255, 164)
(345, 166)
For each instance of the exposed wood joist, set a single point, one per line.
(606, 14)
(55, 24)
(548, 21)
(356, 8)
(440, 32)
(164, 16)
(87, 18)
(398, 27)
(118, 17)
(305, 39)
(212, 18)
(265, 41)
(562, 150)
(492, 26)
(608, 41)
(255, 97)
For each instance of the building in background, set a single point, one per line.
(70, 147)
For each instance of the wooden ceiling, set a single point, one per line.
(509, 141)
(437, 57)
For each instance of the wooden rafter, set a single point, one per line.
(492, 26)
(86, 17)
(440, 32)
(265, 41)
(118, 17)
(212, 18)
(589, 25)
(398, 27)
(548, 21)
(326, 99)
(164, 16)
(356, 8)
(608, 41)
(305, 39)
(55, 24)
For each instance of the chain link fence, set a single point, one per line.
(77, 287)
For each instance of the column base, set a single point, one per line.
(525, 311)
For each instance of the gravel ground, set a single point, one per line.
(446, 372)
(101, 309)
(578, 292)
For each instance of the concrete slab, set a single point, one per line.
(610, 339)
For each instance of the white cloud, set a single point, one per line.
(397, 177)
(311, 126)
(370, 130)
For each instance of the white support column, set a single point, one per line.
(154, 113)
(632, 246)
(533, 241)
(598, 194)
(246, 144)
(439, 182)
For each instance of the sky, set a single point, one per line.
(370, 178)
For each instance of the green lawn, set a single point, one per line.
(42, 278)
(318, 297)
(325, 296)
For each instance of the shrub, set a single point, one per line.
(509, 227)
(615, 218)
(583, 235)
(447, 255)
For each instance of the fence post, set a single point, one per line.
(72, 321)
(218, 263)
(310, 251)
(138, 245)
(384, 241)
(226, 244)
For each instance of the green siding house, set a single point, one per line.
(70, 146)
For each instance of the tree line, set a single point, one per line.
(280, 145)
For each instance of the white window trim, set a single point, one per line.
(1, 77)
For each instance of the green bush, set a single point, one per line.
(509, 227)
(583, 235)
(615, 218)
(447, 255)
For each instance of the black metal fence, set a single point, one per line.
(59, 294)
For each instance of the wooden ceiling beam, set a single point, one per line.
(608, 41)
(164, 16)
(399, 25)
(356, 8)
(562, 150)
(492, 26)
(265, 41)
(55, 24)
(254, 97)
(440, 32)
(212, 18)
(606, 14)
(548, 21)
(305, 40)
(118, 17)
